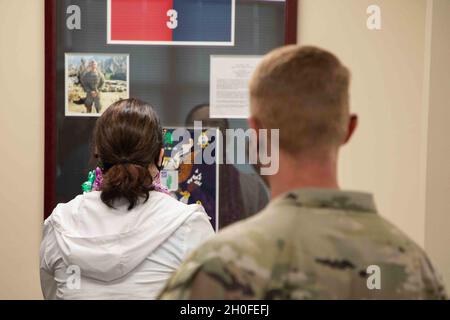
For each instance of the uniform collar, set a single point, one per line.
(331, 198)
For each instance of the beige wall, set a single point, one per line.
(22, 145)
(437, 231)
(400, 92)
(387, 93)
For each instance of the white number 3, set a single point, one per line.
(173, 22)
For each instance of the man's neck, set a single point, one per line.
(297, 172)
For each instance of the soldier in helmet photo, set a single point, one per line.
(94, 81)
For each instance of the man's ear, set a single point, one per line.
(352, 124)
(254, 123)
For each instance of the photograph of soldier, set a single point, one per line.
(92, 80)
(95, 81)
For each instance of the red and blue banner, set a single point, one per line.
(171, 22)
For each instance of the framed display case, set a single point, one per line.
(157, 51)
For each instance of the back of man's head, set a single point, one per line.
(304, 92)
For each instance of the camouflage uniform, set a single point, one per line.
(308, 244)
(92, 81)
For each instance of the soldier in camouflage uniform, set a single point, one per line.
(308, 244)
(313, 241)
(92, 80)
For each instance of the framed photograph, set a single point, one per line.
(175, 22)
(94, 81)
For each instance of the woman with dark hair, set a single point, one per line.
(125, 240)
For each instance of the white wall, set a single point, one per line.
(22, 146)
(437, 231)
(400, 90)
(387, 93)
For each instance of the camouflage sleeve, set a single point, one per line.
(212, 280)
(434, 285)
(200, 286)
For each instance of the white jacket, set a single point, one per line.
(90, 251)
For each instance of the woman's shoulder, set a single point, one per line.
(68, 207)
(196, 216)
(167, 202)
(77, 201)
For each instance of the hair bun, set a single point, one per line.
(126, 180)
(127, 139)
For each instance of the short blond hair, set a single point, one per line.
(304, 92)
